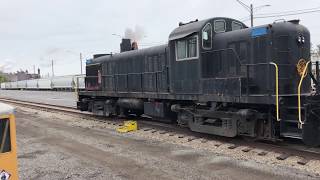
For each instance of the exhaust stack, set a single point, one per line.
(125, 45)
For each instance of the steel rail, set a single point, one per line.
(299, 150)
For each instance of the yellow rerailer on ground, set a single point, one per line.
(128, 126)
(8, 146)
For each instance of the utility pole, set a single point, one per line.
(251, 14)
(81, 63)
(52, 68)
(250, 9)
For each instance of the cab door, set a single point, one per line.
(185, 65)
(8, 151)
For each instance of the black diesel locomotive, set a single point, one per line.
(215, 76)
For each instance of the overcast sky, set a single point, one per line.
(33, 32)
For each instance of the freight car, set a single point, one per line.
(215, 76)
(58, 83)
(3, 85)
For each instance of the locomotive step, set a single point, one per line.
(296, 121)
(294, 108)
(292, 135)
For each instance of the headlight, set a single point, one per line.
(301, 39)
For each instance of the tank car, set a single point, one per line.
(215, 76)
(62, 82)
(44, 84)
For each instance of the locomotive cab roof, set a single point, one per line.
(196, 26)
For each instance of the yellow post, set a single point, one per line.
(299, 94)
(8, 160)
(277, 90)
(76, 86)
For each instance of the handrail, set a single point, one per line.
(299, 94)
(277, 89)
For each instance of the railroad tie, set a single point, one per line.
(204, 140)
(180, 136)
(154, 131)
(262, 153)
(147, 129)
(233, 146)
(303, 161)
(283, 156)
(162, 132)
(247, 149)
(192, 138)
(171, 134)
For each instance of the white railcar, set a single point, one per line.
(62, 82)
(7, 85)
(79, 81)
(22, 84)
(3, 85)
(14, 85)
(32, 84)
(44, 84)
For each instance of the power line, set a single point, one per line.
(251, 9)
(292, 11)
(281, 14)
(287, 14)
(244, 5)
(245, 18)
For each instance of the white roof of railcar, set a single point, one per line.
(5, 109)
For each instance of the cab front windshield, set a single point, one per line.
(5, 143)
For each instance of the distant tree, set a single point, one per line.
(2, 79)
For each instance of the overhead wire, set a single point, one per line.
(292, 11)
(281, 14)
(287, 14)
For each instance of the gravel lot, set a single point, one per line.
(56, 146)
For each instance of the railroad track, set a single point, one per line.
(286, 149)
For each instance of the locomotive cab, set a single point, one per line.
(193, 46)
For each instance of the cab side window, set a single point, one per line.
(219, 26)
(181, 50)
(207, 36)
(236, 26)
(187, 48)
(5, 143)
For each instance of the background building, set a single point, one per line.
(20, 75)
